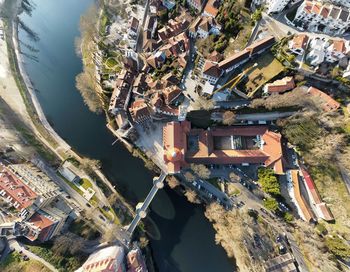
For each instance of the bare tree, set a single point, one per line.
(228, 118)
(192, 196)
(201, 170)
(68, 243)
(234, 177)
(189, 176)
(172, 182)
(202, 103)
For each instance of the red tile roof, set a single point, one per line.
(339, 46)
(300, 41)
(329, 104)
(210, 8)
(44, 224)
(269, 154)
(211, 69)
(302, 203)
(16, 189)
(282, 85)
(316, 198)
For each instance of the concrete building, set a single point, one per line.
(241, 145)
(274, 6)
(317, 54)
(109, 259)
(316, 16)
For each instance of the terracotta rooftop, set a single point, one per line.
(339, 46)
(20, 194)
(211, 69)
(300, 41)
(329, 104)
(281, 85)
(171, 93)
(43, 223)
(302, 203)
(261, 45)
(316, 198)
(139, 110)
(270, 152)
(210, 8)
(234, 59)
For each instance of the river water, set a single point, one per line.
(187, 239)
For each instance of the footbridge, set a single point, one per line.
(141, 208)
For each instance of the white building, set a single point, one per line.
(336, 51)
(316, 16)
(211, 72)
(274, 6)
(317, 54)
(299, 44)
(344, 3)
(196, 4)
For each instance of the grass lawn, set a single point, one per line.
(14, 262)
(85, 183)
(333, 191)
(111, 62)
(62, 263)
(268, 67)
(75, 188)
(240, 42)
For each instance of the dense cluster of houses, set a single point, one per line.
(320, 16)
(320, 50)
(42, 212)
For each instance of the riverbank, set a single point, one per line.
(20, 96)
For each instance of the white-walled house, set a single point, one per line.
(318, 16)
(274, 6)
(336, 51)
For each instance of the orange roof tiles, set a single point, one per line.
(175, 142)
(316, 198)
(329, 104)
(21, 195)
(210, 68)
(43, 223)
(282, 85)
(300, 41)
(210, 9)
(339, 46)
(303, 205)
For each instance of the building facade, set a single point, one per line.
(274, 6)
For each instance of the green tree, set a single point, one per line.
(271, 204)
(288, 217)
(338, 247)
(269, 182)
(256, 16)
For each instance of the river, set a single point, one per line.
(187, 239)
